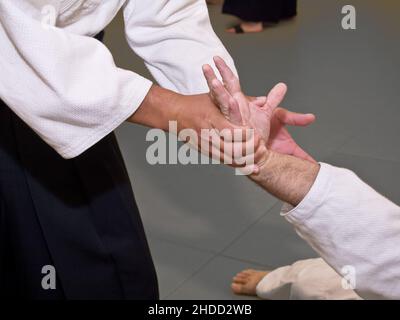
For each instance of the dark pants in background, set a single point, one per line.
(77, 215)
(261, 10)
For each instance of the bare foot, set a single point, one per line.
(245, 282)
(248, 27)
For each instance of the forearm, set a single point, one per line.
(161, 106)
(286, 177)
(158, 108)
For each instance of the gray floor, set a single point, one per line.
(205, 224)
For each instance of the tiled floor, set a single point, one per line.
(205, 224)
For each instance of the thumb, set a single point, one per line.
(294, 119)
(276, 96)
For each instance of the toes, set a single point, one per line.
(239, 280)
(248, 271)
(242, 275)
(237, 288)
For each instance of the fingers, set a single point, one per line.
(218, 92)
(223, 146)
(209, 74)
(230, 107)
(237, 145)
(235, 115)
(227, 104)
(230, 80)
(294, 119)
(229, 154)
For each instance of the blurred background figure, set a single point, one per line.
(257, 13)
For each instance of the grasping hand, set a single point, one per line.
(199, 122)
(262, 114)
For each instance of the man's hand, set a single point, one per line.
(285, 170)
(261, 113)
(199, 113)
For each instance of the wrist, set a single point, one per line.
(264, 164)
(168, 103)
(158, 108)
(192, 111)
(180, 111)
(286, 177)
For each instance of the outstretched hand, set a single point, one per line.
(262, 114)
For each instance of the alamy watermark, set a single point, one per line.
(349, 21)
(220, 145)
(49, 278)
(49, 16)
(349, 276)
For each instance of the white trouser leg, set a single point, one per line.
(304, 280)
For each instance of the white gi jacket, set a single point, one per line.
(354, 229)
(65, 85)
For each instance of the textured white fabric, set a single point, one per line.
(175, 39)
(65, 84)
(311, 279)
(352, 227)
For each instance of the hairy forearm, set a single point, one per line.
(286, 177)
